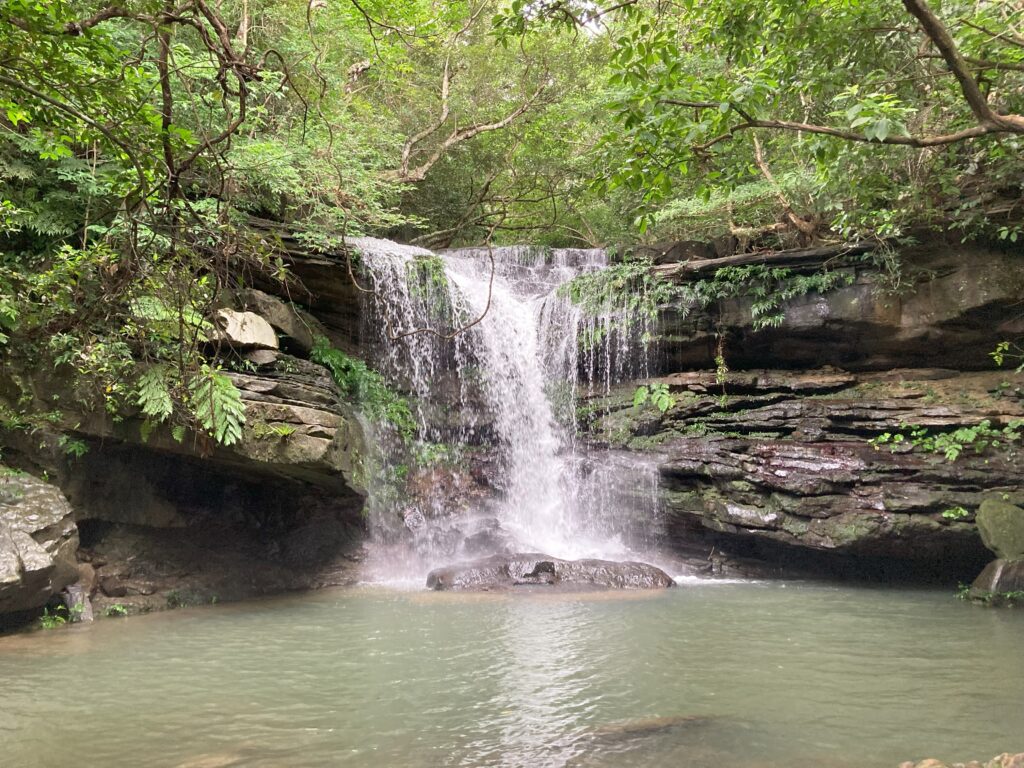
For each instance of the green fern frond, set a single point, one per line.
(217, 406)
(153, 395)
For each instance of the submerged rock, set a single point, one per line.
(1001, 526)
(533, 569)
(1005, 760)
(1001, 582)
(38, 541)
(650, 726)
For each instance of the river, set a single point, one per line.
(723, 675)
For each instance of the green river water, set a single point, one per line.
(707, 675)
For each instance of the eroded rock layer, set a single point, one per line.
(781, 466)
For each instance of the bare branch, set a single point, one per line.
(907, 141)
(989, 121)
(446, 82)
(805, 227)
(419, 173)
(1005, 37)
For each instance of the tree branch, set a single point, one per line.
(406, 175)
(907, 141)
(806, 228)
(989, 121)
(982, 63)
(943, 41)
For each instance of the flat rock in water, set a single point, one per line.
(533, 569)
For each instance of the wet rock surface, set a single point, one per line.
(1001, 583)
(142, 569)
(781, 467)
(38, 542)
(500, 572)
(1005, 760)
(236, 531)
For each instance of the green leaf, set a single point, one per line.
(217, 406)
(153, 396)
(640, 396)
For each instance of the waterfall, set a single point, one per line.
(493, 365)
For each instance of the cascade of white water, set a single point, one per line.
(513, 378)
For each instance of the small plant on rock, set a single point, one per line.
(657, 395)
(980, 438)
(58, 617)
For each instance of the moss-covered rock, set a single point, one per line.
(1002, 528)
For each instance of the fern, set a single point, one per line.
(153, 396)
(217, 406)
(367, 387)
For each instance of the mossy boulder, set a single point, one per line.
(1002, 528)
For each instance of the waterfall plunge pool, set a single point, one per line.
(729, 675)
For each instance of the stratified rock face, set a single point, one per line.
(1001, 581)
(243, 330)
(297, 423)
(38, 541)
(783, 466)
(297, 426)
(955, 303)
(532, 569)
(1002, 528)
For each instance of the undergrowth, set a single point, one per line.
(365, 386)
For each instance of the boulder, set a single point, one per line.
(999, 579)
(38, 542)
(76, 600)
(242, 330)
(1002, 528)
(532, 569)
(299, 326)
